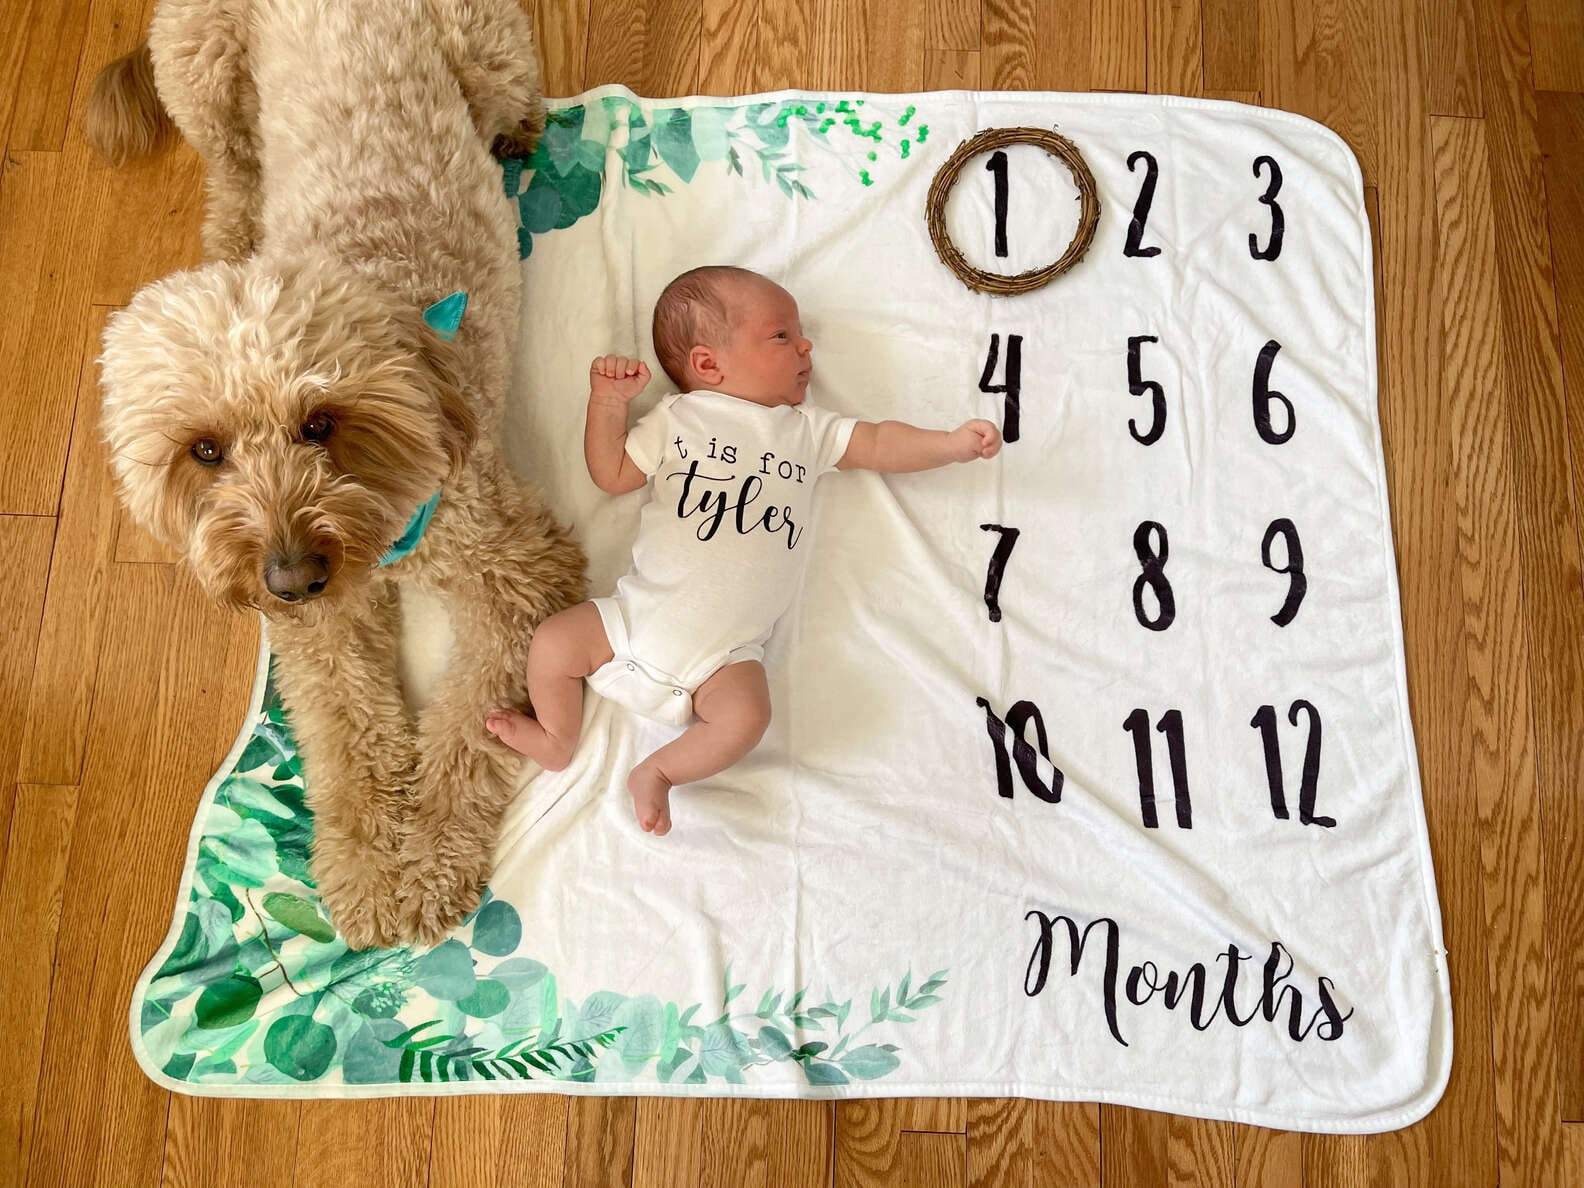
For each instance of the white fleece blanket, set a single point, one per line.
(1090, 774)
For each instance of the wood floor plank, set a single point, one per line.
(1021, 1143)
(1561, 131)
(668, 1149)
(953, 25)
(1548, 521)
(1117, 45)
(1064, 60)
(219, 1142)
(1269, 1158)
(1007, 61)
(781, 47)
(927, 1160)
(39, 342)
(1418, 450)
(1451, 59)
(133, 545)
(561, 29)
(893, 50)
(25, 542)
(1502, 738)
(152, 215)
(951, 70)
(1176, 48)
(877, 1145)
(728, 44)
(1201, 1151)
(795, 1137)
(1311, 65)
(173, 691)
(44, 205)
(651, 46)
(483, 1141)
(600, 1141)
(30, 902)
(839, 37)
(48, 72)
(60, 694)
(1558, 27)
(732, 1143)
(14, 19)
(1134, 1147)
(383, 1140)
(1231, 34)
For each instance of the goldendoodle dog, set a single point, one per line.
(285, 418)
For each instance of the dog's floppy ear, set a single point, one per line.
(440, 360)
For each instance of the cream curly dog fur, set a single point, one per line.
(278, 415)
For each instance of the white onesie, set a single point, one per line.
(721, 542)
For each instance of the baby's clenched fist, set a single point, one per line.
(974, 439)
(617, 377)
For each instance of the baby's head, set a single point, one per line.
(731, 330)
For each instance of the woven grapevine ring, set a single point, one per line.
(990, 139)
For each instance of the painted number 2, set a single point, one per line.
(1141, 208)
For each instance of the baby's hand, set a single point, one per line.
(616, 377)
(974, 439)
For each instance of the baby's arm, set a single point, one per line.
(895, 446)
(613, 382)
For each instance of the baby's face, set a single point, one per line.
(768, 360)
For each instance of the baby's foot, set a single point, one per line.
(525, 736)
(651, 793)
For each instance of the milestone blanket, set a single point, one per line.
(1090, 774)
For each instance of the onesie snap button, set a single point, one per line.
(632, 668)
(678, 692)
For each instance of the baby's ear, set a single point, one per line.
(705, 364)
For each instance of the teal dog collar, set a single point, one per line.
(444, 317)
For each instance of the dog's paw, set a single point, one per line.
(435, 895)
(521, 140)
(367, 928)
(360, 893)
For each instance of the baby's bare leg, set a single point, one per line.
(733, 709)
(566, 648)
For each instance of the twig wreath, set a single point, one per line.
(940, 189)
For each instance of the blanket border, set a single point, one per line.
(1441, 1030)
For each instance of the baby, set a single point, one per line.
(722, 540)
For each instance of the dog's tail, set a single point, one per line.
(125, 118)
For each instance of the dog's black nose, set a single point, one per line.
(297, 581)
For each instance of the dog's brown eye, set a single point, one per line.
(318, 427)
(207, 451)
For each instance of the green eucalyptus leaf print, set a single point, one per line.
(497, 930)
(380, 1001)
(657, 148)
(446, 972)
(299, 915)
(300, 1047)
(673, 140)
(227, 1002)
(488, 998)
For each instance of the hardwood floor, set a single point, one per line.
(121, 688)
